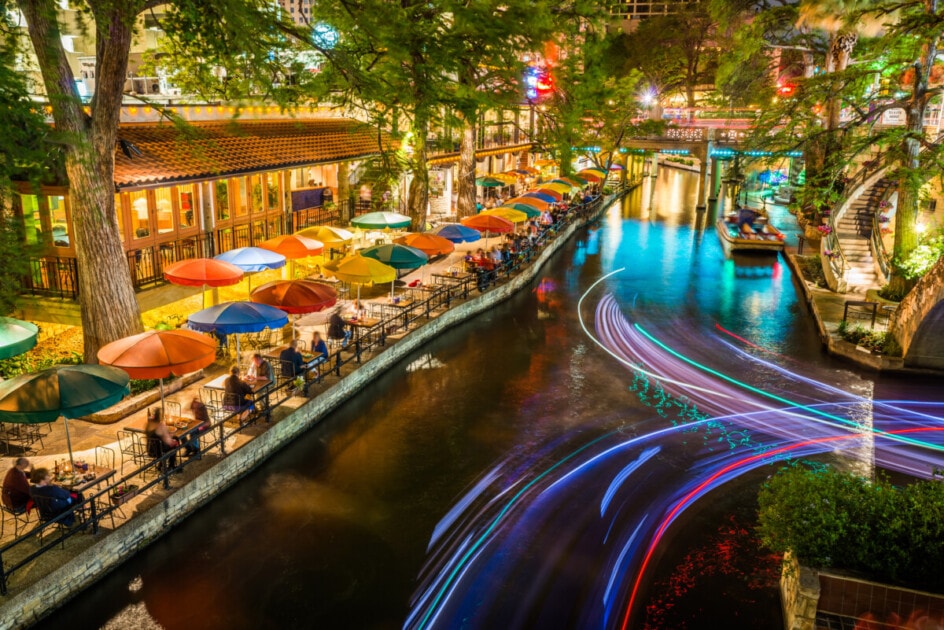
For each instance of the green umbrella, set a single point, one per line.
(489, 182)
(396, 255)
(16, 336)
(381, 220)
(70, 391)
(531, 211)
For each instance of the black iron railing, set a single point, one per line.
(52, 276)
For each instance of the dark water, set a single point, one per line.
(513, 472)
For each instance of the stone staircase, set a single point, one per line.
(854, 229)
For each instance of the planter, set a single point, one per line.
(121, 499)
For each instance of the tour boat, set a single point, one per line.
(745, 231)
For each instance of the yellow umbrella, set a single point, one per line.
(328, 234)
(504, 177)
(361, 270)
(561, 188)
(515, 216)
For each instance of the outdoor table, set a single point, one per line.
(398, 307)
(217, 388)
(311, 360)
(454, 280)
(365, 324)
(181, 426)
(77, 483)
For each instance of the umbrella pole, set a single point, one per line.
(163, 414)
(69, 444)
(237, 350)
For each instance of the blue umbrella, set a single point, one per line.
(541, 196)
(458, 233)
(237, 317)
(252, 259)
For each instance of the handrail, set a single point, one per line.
(837, 261)
(98, 506)
(879, 253)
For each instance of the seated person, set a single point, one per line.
(238, 396)
(259, 368)
(53, 500)
(160, 440)
(201, 415)
(336, 327)
(16, 488)
(318, 345)
(291, 359)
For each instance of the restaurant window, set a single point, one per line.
(206, 204)
(165, 211)
(222, 199)
(242, 196)
(32, 224)
(60, 221)
(186, 203)
(273, 191)
(119, 212)
(255, 189)
(139, 213)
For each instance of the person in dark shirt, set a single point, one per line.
(291, 359)
(53, 500)
(238, 394)
(16, 488)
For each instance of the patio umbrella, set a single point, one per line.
(486, 223)
(396, 255)
(70, 391)
(563, 182)
(381, 220)
(548, 192)
(543, 196)
(296, 296)
(333, 238)
(489, 182)
(160, 354)
(293, 246)
(530, 211)
(458, 233)
(573, 180)
(237, 317)
(530, 201)
(596, 174)
(530, 170)
(557, 187)
(517, 171)
(361, 270)
(616, 167)
(203, 272)
(429, 244)
(509, 179)
(515, 216)
(16, 336)
(252, 259)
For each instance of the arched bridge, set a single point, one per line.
(918, 323)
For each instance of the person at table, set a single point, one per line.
(16, 488)
(259, 368)
(202, 417)
(335, 327)
(160, 440)
(293, 364)
(53, 500)
(238, 394)
(318, 345)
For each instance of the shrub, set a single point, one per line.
(842, 521)
(874, 340)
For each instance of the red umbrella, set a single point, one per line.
(293, 246)
(488, 223)
(203, 272)
(296, 296)
(160, 354)
(429, 244)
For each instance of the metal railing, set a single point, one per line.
(837, 259)
(103, 503)
(52, 276)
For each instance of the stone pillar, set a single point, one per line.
(799, 594)
(344, 188)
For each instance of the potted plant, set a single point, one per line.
(123, 493)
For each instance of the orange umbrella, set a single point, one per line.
(203, 272)
(429, 244)
(293, 246)
(534, 202)
(296, 296)
(550, 191)
(488, 223)
(160, 354)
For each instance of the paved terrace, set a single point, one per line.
(30, 559)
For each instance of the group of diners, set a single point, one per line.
(19, 496)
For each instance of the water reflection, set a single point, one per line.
(510, 474)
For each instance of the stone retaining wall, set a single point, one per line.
(83, 570)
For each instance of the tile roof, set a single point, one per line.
(203, 150)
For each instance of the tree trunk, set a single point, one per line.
(344, 189)
(419, 185)
(465, 203)
(566, 157)
(106, 296)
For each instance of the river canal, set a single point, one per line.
(528, 469)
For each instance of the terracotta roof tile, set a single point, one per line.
(205, 150)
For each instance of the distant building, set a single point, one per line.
(299, 10)
(639, 9)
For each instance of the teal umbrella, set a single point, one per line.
(381, 220)
(70, 391)
(531, 211)
(16, 336)
(396, 255)
(489, 182)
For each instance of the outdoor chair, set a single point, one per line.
(171, 409)
(20, 517)
(46, 511)
(132, 448)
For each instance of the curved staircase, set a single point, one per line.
(854, 231)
